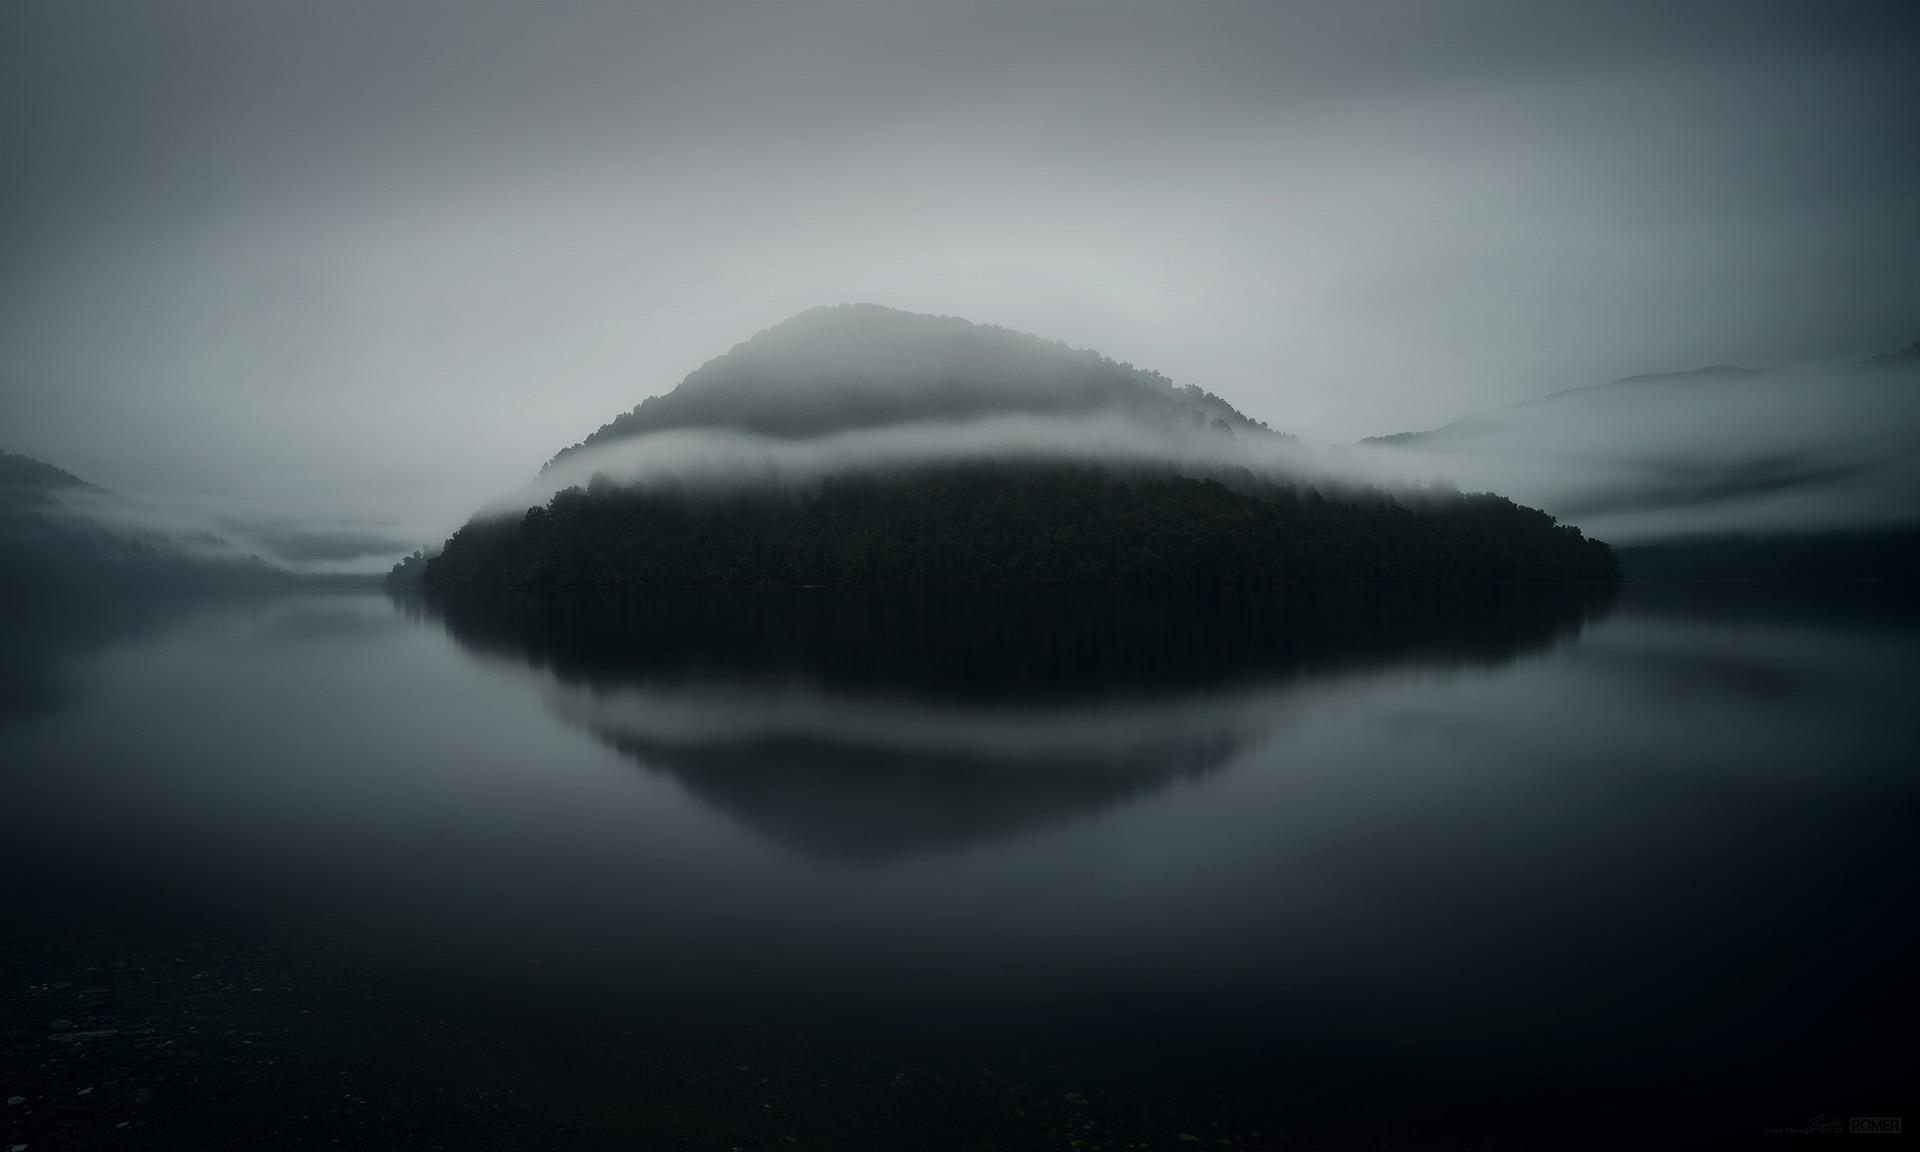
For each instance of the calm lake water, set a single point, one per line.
(1027, 871)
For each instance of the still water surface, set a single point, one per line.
(834, 871)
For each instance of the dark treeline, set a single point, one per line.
(1003, 523)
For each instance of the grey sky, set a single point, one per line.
(371, 264)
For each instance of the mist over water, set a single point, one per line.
(225, 532)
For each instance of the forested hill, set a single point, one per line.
(850, 366)
(1005, 524)
(1166, 502)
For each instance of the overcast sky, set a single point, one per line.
(376, 262)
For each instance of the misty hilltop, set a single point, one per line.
(24, 479)
(857, 445)
(850, 366)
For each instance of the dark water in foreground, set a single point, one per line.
(816, 871)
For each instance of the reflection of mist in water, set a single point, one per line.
(44, 636)
(870, 727)
(1093, 734)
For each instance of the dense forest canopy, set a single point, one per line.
(1004, 523)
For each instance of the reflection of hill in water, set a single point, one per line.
(867, 727)
(851, 803)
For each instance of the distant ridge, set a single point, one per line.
(45, 543)
(1711, 373)
(1906, 358)
(1724, 469)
